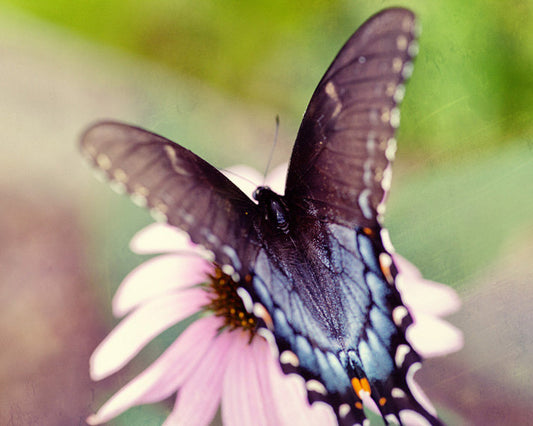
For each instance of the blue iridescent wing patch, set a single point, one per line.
(313, 265)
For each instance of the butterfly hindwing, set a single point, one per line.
(176, 185)
(340, 165)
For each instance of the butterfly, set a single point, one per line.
(314, 265)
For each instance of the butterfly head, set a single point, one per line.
(274, 208)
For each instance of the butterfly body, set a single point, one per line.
(312, 264)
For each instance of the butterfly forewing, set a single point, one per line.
(178, 186)
(340, 165)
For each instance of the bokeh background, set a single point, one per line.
(213, 76)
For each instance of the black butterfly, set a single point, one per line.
(313, 264)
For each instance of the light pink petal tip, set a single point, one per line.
(432, 337)
(422, 295)
(135, 331)
(158, 276)
(166, 374)
(160, 238)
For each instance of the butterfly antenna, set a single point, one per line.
(272, 149)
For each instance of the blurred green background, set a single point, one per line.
(212, 76)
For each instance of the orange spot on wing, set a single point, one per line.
(382, 401)
(360, 385)
(384, 263)
(367, 231)
(358, 405)
(365, 385)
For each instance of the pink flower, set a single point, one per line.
(210, 367)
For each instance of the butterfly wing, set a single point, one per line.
(340, 165)
(176, 185)
(338, 178)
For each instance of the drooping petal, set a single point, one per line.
(158, 276)
(198, 398)
(245, 177)
(160, 238)
(166, 374)
(431, 336)
(134, 332)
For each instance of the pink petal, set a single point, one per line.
(235, 405)
(199, 397)
(158, 276)
(431, 336)
(262, 355)
(245, 177)
(166, 374)
(276, 178)
(290, 399)
(422, 295)
(160, 238)
(134, 332)
(248, 396)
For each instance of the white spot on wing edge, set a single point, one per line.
(332, 93)
(401, 42)
(245, 297)
(261, 312)
(315, 386)
(289, 357)
(397, 393)
(399, 93)
(392, 419)
(103, 161)
(232, 254)
(385, 238)
(139, 200)
(407, 69)
(158, 215)
(386, 180)
(344, 410)
(401, 352)
(390, 151)
(398, 314)
(118, 187)
(228, 270)
(412, 50)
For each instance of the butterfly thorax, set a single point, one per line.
(273, 207)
